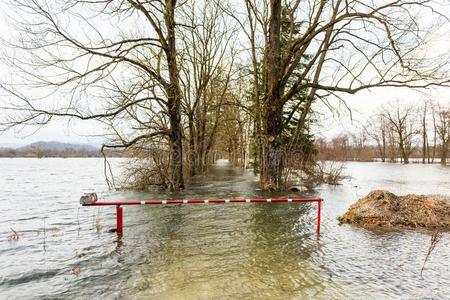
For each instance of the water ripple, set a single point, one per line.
(243, 251)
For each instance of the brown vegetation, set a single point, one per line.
(434, 240)
(14, 236)
(385, 210)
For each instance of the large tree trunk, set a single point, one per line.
(174, 102)
(403, 153)
(201, 142)
(192, 156)
(176, 148)
(271, 176)
(401, 144)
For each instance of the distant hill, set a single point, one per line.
(54, 149)
(57, 146)
(58, 149)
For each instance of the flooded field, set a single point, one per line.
(232, 251)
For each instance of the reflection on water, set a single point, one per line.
(230, 251)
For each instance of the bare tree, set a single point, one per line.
(432, 152)
(117, 66)
(207, 64)
(401, 119)
(423, 111)
(376, 130)
(443, 132)
(429, 130)
(235, 132)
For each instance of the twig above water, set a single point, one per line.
(435, 238)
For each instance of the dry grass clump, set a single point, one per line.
(384, 209)
(76, 271)
(98, 225)
(14, 236)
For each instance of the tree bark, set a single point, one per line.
(174, 101)
(192, 157)
(271, 177)
(401, 142)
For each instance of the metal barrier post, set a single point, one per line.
(119, 220)
(319, 204)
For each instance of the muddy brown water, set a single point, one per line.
(232, 251)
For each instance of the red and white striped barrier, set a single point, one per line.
(91, 199)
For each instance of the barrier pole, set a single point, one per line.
(319, 204)
(90, 199)
(119, 220)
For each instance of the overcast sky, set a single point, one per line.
(362, 104)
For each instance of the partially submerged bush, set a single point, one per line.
(384, 209)
(330, 172)
(315, 173)
(147, 168)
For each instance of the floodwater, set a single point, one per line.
(207, 251)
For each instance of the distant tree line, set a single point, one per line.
(396, 133)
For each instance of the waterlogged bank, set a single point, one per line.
(209, 251)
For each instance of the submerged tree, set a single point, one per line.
(376, 129)
(352, 46)
(402, 124)
(207, 61)
(443, 132)
(112, 61)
